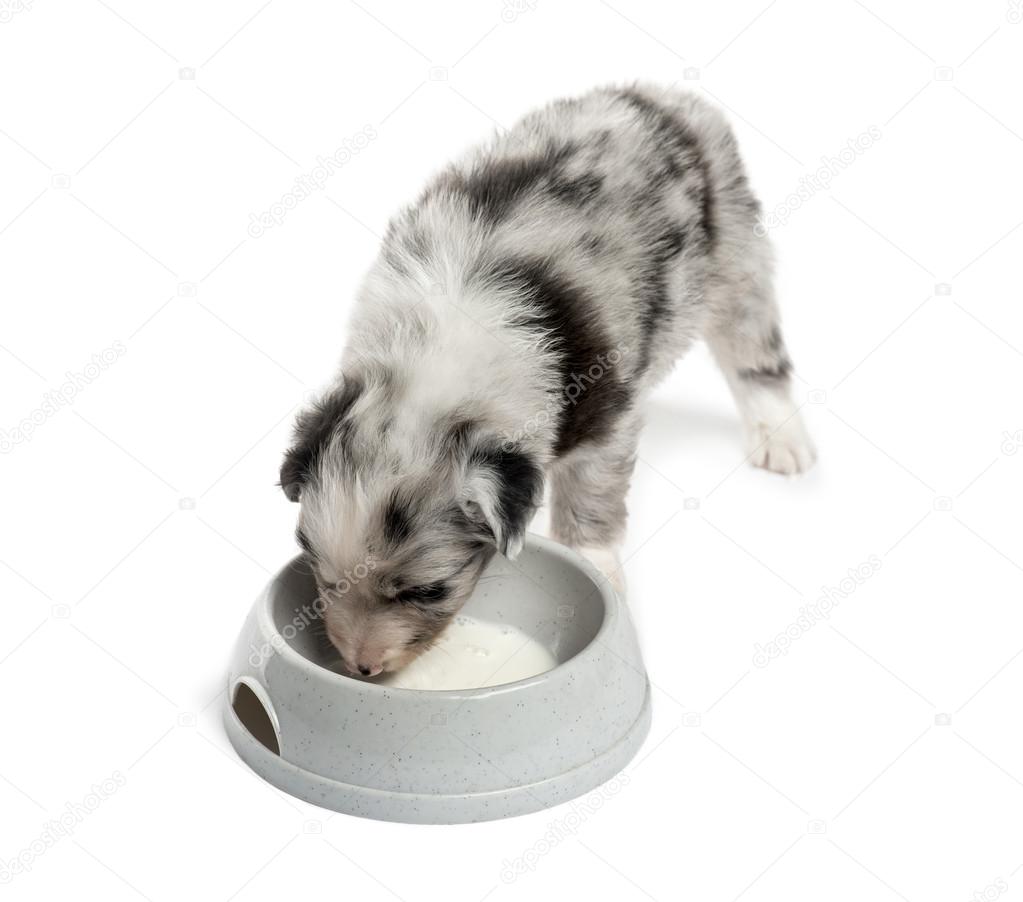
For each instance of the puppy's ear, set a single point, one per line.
(503, 489)
(314, 429)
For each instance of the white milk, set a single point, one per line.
(472, 654)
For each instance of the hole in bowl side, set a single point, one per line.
(254, 716)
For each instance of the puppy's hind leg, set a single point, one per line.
(588, 490)
(747, 343)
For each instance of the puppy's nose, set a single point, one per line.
(366, 670)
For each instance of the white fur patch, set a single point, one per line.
(609, 562)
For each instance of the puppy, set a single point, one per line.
(504, 340)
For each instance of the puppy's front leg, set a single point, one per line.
(588, 490)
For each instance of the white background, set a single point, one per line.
(881, 757)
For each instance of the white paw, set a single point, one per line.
(783, 449)
(608, 561)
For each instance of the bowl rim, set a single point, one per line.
(601, 587)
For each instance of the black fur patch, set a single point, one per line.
(577, 191)
(494, 187)
(554, 304)
(683, 160)
(428, 594)
(519, 482)
(593, 243)
(398, 517)
(314, 429)
(653, 286)
(682, 155)
(303, 541)
(774, 342)
(778, 373)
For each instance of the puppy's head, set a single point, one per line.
(399, 519)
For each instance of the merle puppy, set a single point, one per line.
(505, 338)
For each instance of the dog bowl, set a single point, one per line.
(454, 755)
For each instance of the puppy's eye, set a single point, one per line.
(432, 592)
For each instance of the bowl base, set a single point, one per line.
(412, 808)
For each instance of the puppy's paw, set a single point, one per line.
(608, 561)
(783, 449)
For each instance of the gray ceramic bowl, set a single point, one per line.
(446, 756)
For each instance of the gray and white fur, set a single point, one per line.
(503, 342)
